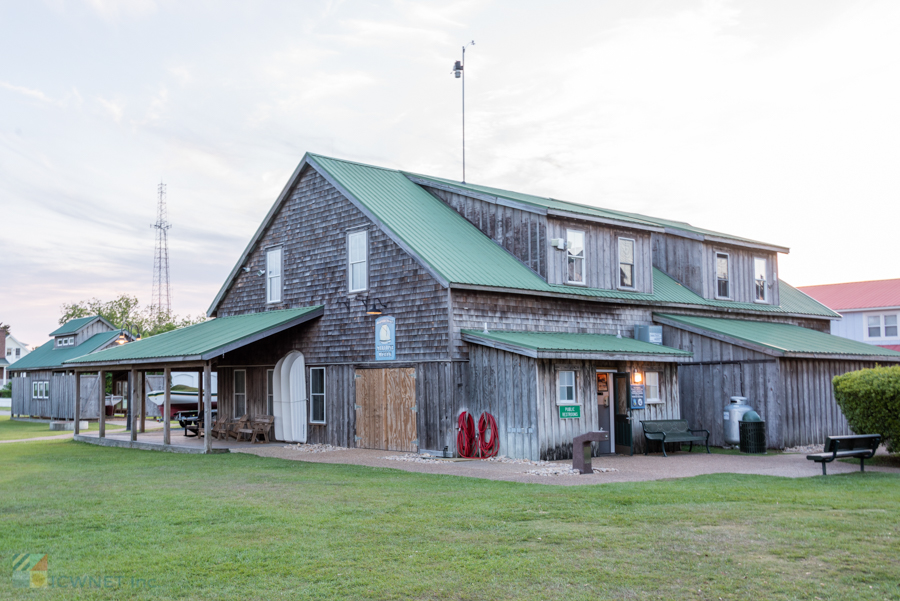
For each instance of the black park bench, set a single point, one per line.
(862, 446)
(672, 430)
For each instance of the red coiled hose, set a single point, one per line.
(465, 437)
(470, 443)
(488, 449)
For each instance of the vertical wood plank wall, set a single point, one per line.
(61, 404)
(670, 408)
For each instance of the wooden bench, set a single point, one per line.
(862, 446)
(672, 430)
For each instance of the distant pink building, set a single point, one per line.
(870, 310)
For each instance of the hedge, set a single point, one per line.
(870, 400)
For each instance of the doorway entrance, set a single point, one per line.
(622, 403)
(386, 409)
(605, 410)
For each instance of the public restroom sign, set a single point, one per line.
(385, 339)
(638, 398)
(570, 412)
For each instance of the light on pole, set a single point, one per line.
(459, 71)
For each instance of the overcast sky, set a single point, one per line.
(776, 121)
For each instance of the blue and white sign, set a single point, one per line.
(385, 339)
(638, 400)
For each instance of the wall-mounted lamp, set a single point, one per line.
(122, 339)
(376, 307)
(638, 377)
(246, 269)
(261, 272)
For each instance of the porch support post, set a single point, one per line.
(77, 402)
(101, 390)
(143, 402)
(132, 403)
(167, 372)
(207, 407)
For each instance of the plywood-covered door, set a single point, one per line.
(386, 409)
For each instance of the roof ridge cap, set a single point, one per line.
(322, 156)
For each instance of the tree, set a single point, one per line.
(125, 312)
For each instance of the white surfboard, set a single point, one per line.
(298, 399)
(277, 407)
(286, 405)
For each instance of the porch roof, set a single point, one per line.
(561, 345)
(202, 341)
(778, 339)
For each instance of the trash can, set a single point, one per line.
(753, 433)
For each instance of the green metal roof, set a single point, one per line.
(571, 207)
(545, 344)
(204, 340)
(47, 357)
(73, 325)
(784, 339)
(3, 362)
(459, 253)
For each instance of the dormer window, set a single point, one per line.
(761, 283)
(575, 256)
(723, 289)
(626, 263)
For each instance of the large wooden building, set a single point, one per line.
(414, 298)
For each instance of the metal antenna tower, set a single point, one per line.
(459, 70)
(161, 304)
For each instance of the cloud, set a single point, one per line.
(30, 93)
(115, 108)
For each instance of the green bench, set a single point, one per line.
(862, 446)
(672, 430)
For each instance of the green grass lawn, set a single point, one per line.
(16, 430)
(238, 526)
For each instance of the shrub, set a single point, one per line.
(870, 400)
(6, 391)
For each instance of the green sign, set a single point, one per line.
(569, 411)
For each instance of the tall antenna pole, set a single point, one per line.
(161, 307)
(460, 71)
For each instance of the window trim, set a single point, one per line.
(728, 279)
(582, 258)
(765, 299)
(234, 393)
(576, 400)
(619, 264)
(270, 391)
(324, 394)
(658, 400)
(269, 300)
(40, 390)
(882, 336)
(365, 288)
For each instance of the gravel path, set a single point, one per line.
(617, 468)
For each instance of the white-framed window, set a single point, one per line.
(273, 275)
(883, 325)
(270, 392)
(565, 385)
(357, 261)
(575, 257)
(9, 352)
(723, 285)
(317, 395)
(651, 387)
(240, 393)
(40, 390)
(18, 353)
(626, 263)
(761, 284)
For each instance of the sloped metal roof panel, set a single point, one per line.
(782, 337)
(199, 339)
(575, 343)
(73, 325)
(47, 357)
(857, 295)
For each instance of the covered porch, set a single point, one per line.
(197, 348)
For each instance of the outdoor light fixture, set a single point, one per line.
(246, 269)
(122, 339)
(638, 377)
(459, 72)
(261, 272)
(376, 308)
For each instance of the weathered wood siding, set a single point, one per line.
(505, 385)
(61, 404)
(811, 413)
(680, 258)
(669, 408)
(312, 228)
(555, 434)
(442, 391)
(601, 250)
(522, 233)
(98, 327)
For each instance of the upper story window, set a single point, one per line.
(60, 342)
(566, 387)
(357, 261)
(9, 352)
(761, 286)
(723, 289)
(575, 256)
(882, 326)
(273, 275)
(626, 263)
(18, 352)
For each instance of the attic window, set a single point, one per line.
(575, 256)
(722, 283)
(761, 284)
(273, 275)
(357, 261)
